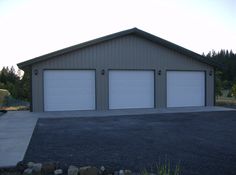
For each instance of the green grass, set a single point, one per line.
(164, 168)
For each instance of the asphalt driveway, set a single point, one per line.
(205, 142)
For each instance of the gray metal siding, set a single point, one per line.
(128, 52)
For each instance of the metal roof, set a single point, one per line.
(134, 31)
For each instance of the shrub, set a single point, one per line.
(233, 90)
(3, 95)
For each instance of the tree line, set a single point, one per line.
(19, 86)
(226, 73)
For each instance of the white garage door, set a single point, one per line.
(185, 88)
(131, 89)
(69, 90)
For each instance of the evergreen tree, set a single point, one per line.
(227, 59)
(17, 86)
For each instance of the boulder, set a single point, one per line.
(128, 172)
(37, 167)
(102, 168)
(48, 168)
(28, 171)
(102, 171)
(30, 164)
(121, 172)
(88, 170)
(73, 170)
(58, 171)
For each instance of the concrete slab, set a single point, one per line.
(15, 132)
(118, 112)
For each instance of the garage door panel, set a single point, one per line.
(131, 89)
(69, 90)
(185, 88)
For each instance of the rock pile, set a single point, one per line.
(32, 168)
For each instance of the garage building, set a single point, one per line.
(125, 70)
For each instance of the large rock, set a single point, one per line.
(128, 172)
(88, 170)
(73, 170)
(121, 172)
(30, 164)
(102, 171)
(37, 167)
(58, 171)
(48, 168)
(102, 168)
(28, 171)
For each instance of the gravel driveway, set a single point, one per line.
(205, 142)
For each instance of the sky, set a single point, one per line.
(30, 28)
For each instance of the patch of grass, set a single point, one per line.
(144, 172)
(164, 168)
(15, 108)
(225, 99)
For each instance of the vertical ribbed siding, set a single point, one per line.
(129, 52)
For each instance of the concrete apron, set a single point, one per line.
(118, 112)
(15, 132)
(16, 127)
